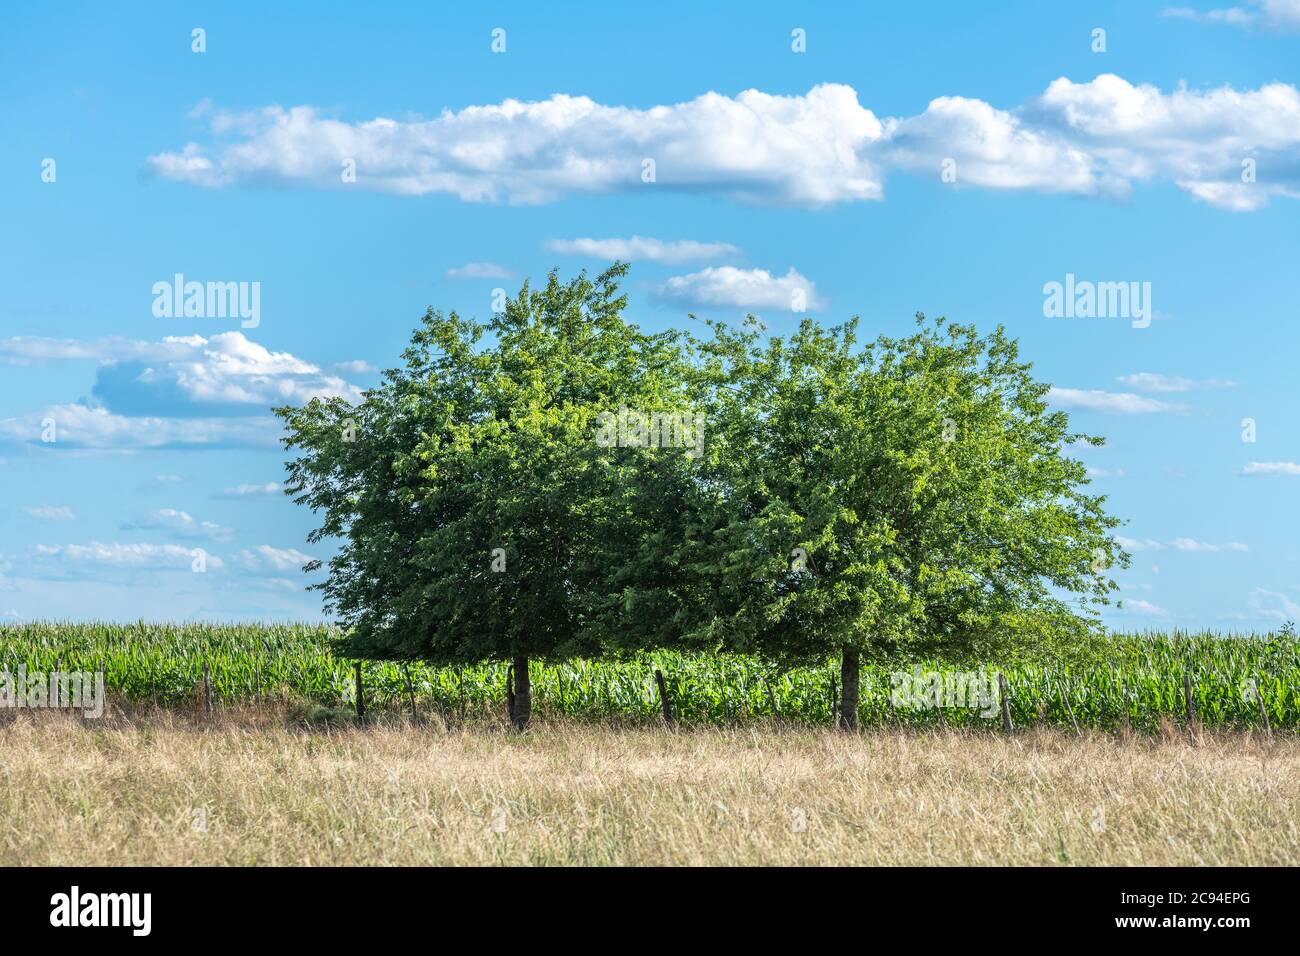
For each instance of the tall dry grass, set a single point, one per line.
(165, 789)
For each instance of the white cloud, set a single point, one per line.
(1274, 604)
(1271, 468)
(33, 349)
(224, 374)
(990, 148)
(1114, 403)
(1274, 15)
(1143, 607)
(355, 367)
(1204, 547)
(284, 584)
(130, 556)
(83, 427)
(52, 513)
(753, 147)
(250, 491)
(188, 375)
(479, 270)
(643, 248)
(1280, 13)
(822, 147)
(1155, 382)
(1133, 544)
(180, 523)
(185, 391)
(1196, 140)
(1189, 545)
(266, 558)
(727, 286)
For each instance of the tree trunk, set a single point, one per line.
(849, 690)
(523, 694)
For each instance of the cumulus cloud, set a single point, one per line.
(817, 148)
(178, 523)
(479, 270)
(52, 513)
(225, 374)
(1198, 140)
(1272, 468)
(355, 367)
(180, 392)
(754, 147)
(1113, 403)
(1155, 382)
(991, 148)
(730, 287)
(644, 249)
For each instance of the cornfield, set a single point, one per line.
(1138, 682)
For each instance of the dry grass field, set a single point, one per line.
(244, 789)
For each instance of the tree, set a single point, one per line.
(482, 516)
(911, 497)
(507, 494)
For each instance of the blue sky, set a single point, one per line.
(775, 171)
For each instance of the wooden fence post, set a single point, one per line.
(938, 709)
(410, 689)
(207, 687)
(664, 701)
(361, 694)
(1263, 711)
(1123, 699)
(771, 699)
(1006, 705)
(1069, 709)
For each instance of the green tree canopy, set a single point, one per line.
(508, 493)
(479, 515)
(911, 497)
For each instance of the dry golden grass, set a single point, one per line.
(163, 789)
